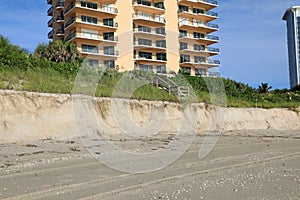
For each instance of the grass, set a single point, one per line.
(48, 80)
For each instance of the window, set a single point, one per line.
(199, 47)
(182, 33)
(161, 31)
(109, 36)
(89, 48)
(109, 63)
(108, 8)
(161, 56)
(143, 2)
(200, 72)
(89, 34)
(109, 50)
(159, 5)
(183, 8)
(184, 58)
(89, 5)
(108, 22)
(146, 55)
(186, 70)
(161, 69)
(199, 59)
(198, 35)
(183, 45)
(146, 67)
(92, 62)
(145, 42)
(198, 11)
(144, 29)
(183, 21)
(88, 19)
(161, 43)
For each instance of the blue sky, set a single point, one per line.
(252, 36)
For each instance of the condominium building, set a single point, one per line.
(292, 17)
(151, 35)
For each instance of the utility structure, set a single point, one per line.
(151, 35)
(292, 18)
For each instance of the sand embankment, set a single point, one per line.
(29, 116)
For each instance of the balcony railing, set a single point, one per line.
(153, 44)
(155, 59)
(102, 9)
(90, 36)
(148, 3)
(148, 30)
(50, 34)
(99, 52)
(50, 22)
(198, 24)
(50, 10)
(148, 17)
(212, 37)
(60, 5)
(199, 62)
(70, 7)
(60, 19)
(60, 32)
(49, 1)
(208, 49)
(98, 23)
(214, 2)
(209, 13)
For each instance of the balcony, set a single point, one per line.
(90, 36)
(60, 33)
(151, 20)
(205, 16)
(84, 24)
(60, 19)
(156, 8)
(149, 59)
(209, 51)
(149, 46)
(50, 23)
(99, 52)
(49, 2)
(77, 5)
(50, 11)
(50, 35)
(206, 4)
(60, 5)
(159, 32)
(204, 63)
(206, 39)
(195, 25)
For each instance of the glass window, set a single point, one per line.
(146, 55)
(143, 2)
(109, 50)
(161, 31)
(161, 43)
(199, 47)
(184, 58)
(183, 45)
(89, 48)
(161, 69)
(198, 11)
(182, 33)
(159, 5)
(109, 36)
(199, 59)
(88, 19)
(145, 42)
(109, 63)
(186, 70)
(108, 22)
(200, 72)
(198, 35)
(144, 29)
(144, 67)
(92, 62)
(161, 56)
(183, 8)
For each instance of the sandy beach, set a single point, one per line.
(243, 165)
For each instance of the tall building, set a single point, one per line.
(151, 35)
(292, 17)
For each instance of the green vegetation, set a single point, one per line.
(53, 68)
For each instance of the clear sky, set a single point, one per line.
(252, 36)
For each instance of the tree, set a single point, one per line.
(264, 88)
(58, 51)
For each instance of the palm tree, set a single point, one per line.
(58, 51)
(264, 88)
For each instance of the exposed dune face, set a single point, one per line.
(28, 116)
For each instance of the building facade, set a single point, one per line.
(151, 35)
(292, 18)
